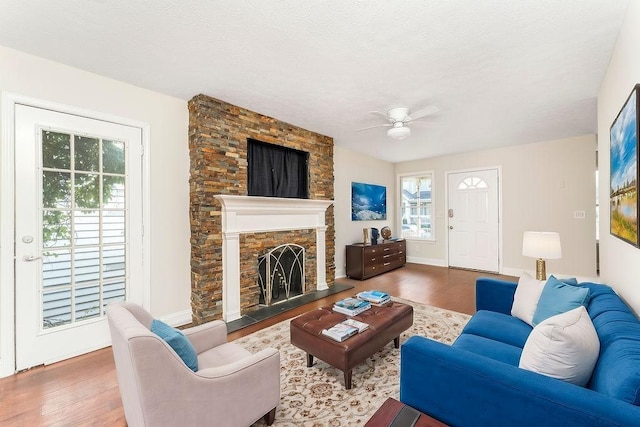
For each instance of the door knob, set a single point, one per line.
(451, 227)
(29, 258)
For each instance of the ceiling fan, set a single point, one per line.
(400, 119)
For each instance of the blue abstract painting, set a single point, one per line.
(368, 202)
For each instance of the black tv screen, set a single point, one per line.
(276, 171)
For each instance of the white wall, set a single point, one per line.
(619, 261)
(35, 77)
(542, 185)
(349, 167)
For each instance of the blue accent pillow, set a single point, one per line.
(178, 342)
(558, 297)
(568, 280)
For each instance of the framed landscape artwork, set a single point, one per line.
(368, 202)
(623, 195)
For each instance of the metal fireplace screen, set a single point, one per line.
(281, 274)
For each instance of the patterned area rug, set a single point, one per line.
(316, 396)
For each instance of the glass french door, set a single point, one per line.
(78, 231)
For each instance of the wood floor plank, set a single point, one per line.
(83, 391)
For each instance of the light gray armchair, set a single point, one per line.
(232, 386)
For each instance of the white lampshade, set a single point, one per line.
(399, 132)
(541, 244)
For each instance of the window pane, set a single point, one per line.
(113, 262)
(56, 308)
(56, 150)
(112, 292)
(113, 227)
(86, 227)
(56, 268)
(87, 190)
(87, 155)
(113, 157)
(56, 228)
(113, 192)
(87, 302)
(56, 189)
(86, 265)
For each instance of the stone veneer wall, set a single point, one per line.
(218, 134)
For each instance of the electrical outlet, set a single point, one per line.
(579, 215)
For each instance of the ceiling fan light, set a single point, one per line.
(400, 132)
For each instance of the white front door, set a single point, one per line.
(473, 220)
(78, 231)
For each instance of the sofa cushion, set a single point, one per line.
(558, 297)
(525, 299)
(564, 346)
(498, 326)
(568, 280)
(487, 347)
(178, 342)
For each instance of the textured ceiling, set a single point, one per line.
(502, 72)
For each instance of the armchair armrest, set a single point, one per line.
(463, 388)
(206, 336)
(266, 360)
(494, 295)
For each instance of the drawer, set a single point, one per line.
(371, 251)
(372, 270)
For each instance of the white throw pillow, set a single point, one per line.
(565, 346)
(525, 300)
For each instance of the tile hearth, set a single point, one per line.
(267, 312)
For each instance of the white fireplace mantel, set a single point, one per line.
(252, 214)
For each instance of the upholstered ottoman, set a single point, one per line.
(386, 323)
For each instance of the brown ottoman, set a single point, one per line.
(386, 323)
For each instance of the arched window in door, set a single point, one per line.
(472, 183)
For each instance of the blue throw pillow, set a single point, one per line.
(568, 280)
(557, 298)
(178, 342)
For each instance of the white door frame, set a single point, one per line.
(7, 210)
(446, 198)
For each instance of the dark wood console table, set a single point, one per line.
(365, 261)
(385, 416)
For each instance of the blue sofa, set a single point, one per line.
(477, 382)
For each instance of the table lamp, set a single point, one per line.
(541, 245)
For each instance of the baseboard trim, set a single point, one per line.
(178, 318)
(427, 261)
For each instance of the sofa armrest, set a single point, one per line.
(462, 388)
(494, 294)
(206, 336)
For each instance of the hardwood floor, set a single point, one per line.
(83, 391)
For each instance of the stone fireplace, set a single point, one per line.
(230, 230)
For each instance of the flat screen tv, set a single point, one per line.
(276, 171)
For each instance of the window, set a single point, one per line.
(83, 216)
(417, 206)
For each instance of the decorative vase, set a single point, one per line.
(374, 236)
(365, 235)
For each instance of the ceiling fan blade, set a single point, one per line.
(420, 122)
(385, 116)
(375, 126)
(422, 113)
